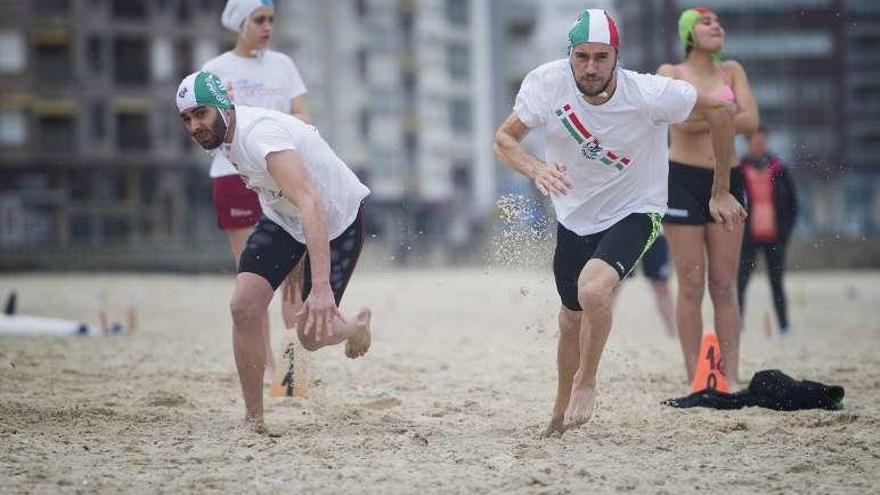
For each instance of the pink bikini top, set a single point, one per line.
(723, 92)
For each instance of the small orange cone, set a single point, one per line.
(709, 372)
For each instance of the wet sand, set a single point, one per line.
(452, 397)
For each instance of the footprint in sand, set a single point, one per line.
(525, 451)
(383, 403)
(161, 398)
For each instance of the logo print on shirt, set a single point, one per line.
(272, 194)
(590, 146)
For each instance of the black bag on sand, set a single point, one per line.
(772, 389)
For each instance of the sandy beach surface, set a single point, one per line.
(452, 397)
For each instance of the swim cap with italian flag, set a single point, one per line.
(593, 26)
(202, 89)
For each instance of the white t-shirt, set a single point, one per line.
(269, 80)
(259, 132)
(616, 153)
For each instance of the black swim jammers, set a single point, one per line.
(272, 253)
(622, 246)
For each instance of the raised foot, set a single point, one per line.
(358, 344)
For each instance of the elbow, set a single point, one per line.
(752, 125)
(498, 145)
(496, 148)
(721, 115)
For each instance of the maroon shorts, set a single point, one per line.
(236, 206)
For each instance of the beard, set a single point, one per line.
(599, 87)
(213, 137)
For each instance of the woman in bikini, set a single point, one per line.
(699, 246)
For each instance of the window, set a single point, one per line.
(115, 229)
(95, 54)
(458, 60)
(132, 65)
(132, 131)
(460, 115)
(53, 62)
(110, 186)
(364, 124)
(461, 175)
(521, 29)
(130, 9)
(52, 6)
(409, 80)
(410, 145)
(13, 128)
(97, 126)
(12, 47)
(56, 133)
(361, 8)
(407, 21)
(457, 12)
(183, 12)
(362, 63)
(81, 227)
(183, 58)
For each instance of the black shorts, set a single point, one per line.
(621, 246)
(272, 253)
(655, 262)
(690, 188)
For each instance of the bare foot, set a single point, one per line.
(358, 344)
(580, 406)
(555, 429)
(256, 425)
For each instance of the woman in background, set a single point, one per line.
(699, 246)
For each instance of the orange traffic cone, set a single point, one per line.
(709, 371)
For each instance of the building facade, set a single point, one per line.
(92, 149)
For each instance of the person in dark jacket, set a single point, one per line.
(772, 207)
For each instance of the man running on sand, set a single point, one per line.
(606, 168)
(312, 207)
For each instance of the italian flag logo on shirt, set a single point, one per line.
(590, 146)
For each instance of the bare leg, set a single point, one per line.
(292, 291)
(250, 298)
(664, 305)
(595, 293)
(567, 361)
(237, 240)
(686, 244)
(724, 250)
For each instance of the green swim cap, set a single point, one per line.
(686, 22)
(202, 89)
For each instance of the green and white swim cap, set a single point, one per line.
(202, 89)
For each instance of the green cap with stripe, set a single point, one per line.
(202, 89)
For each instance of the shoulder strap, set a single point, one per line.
(725, 76)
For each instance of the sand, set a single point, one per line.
(451, 398)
